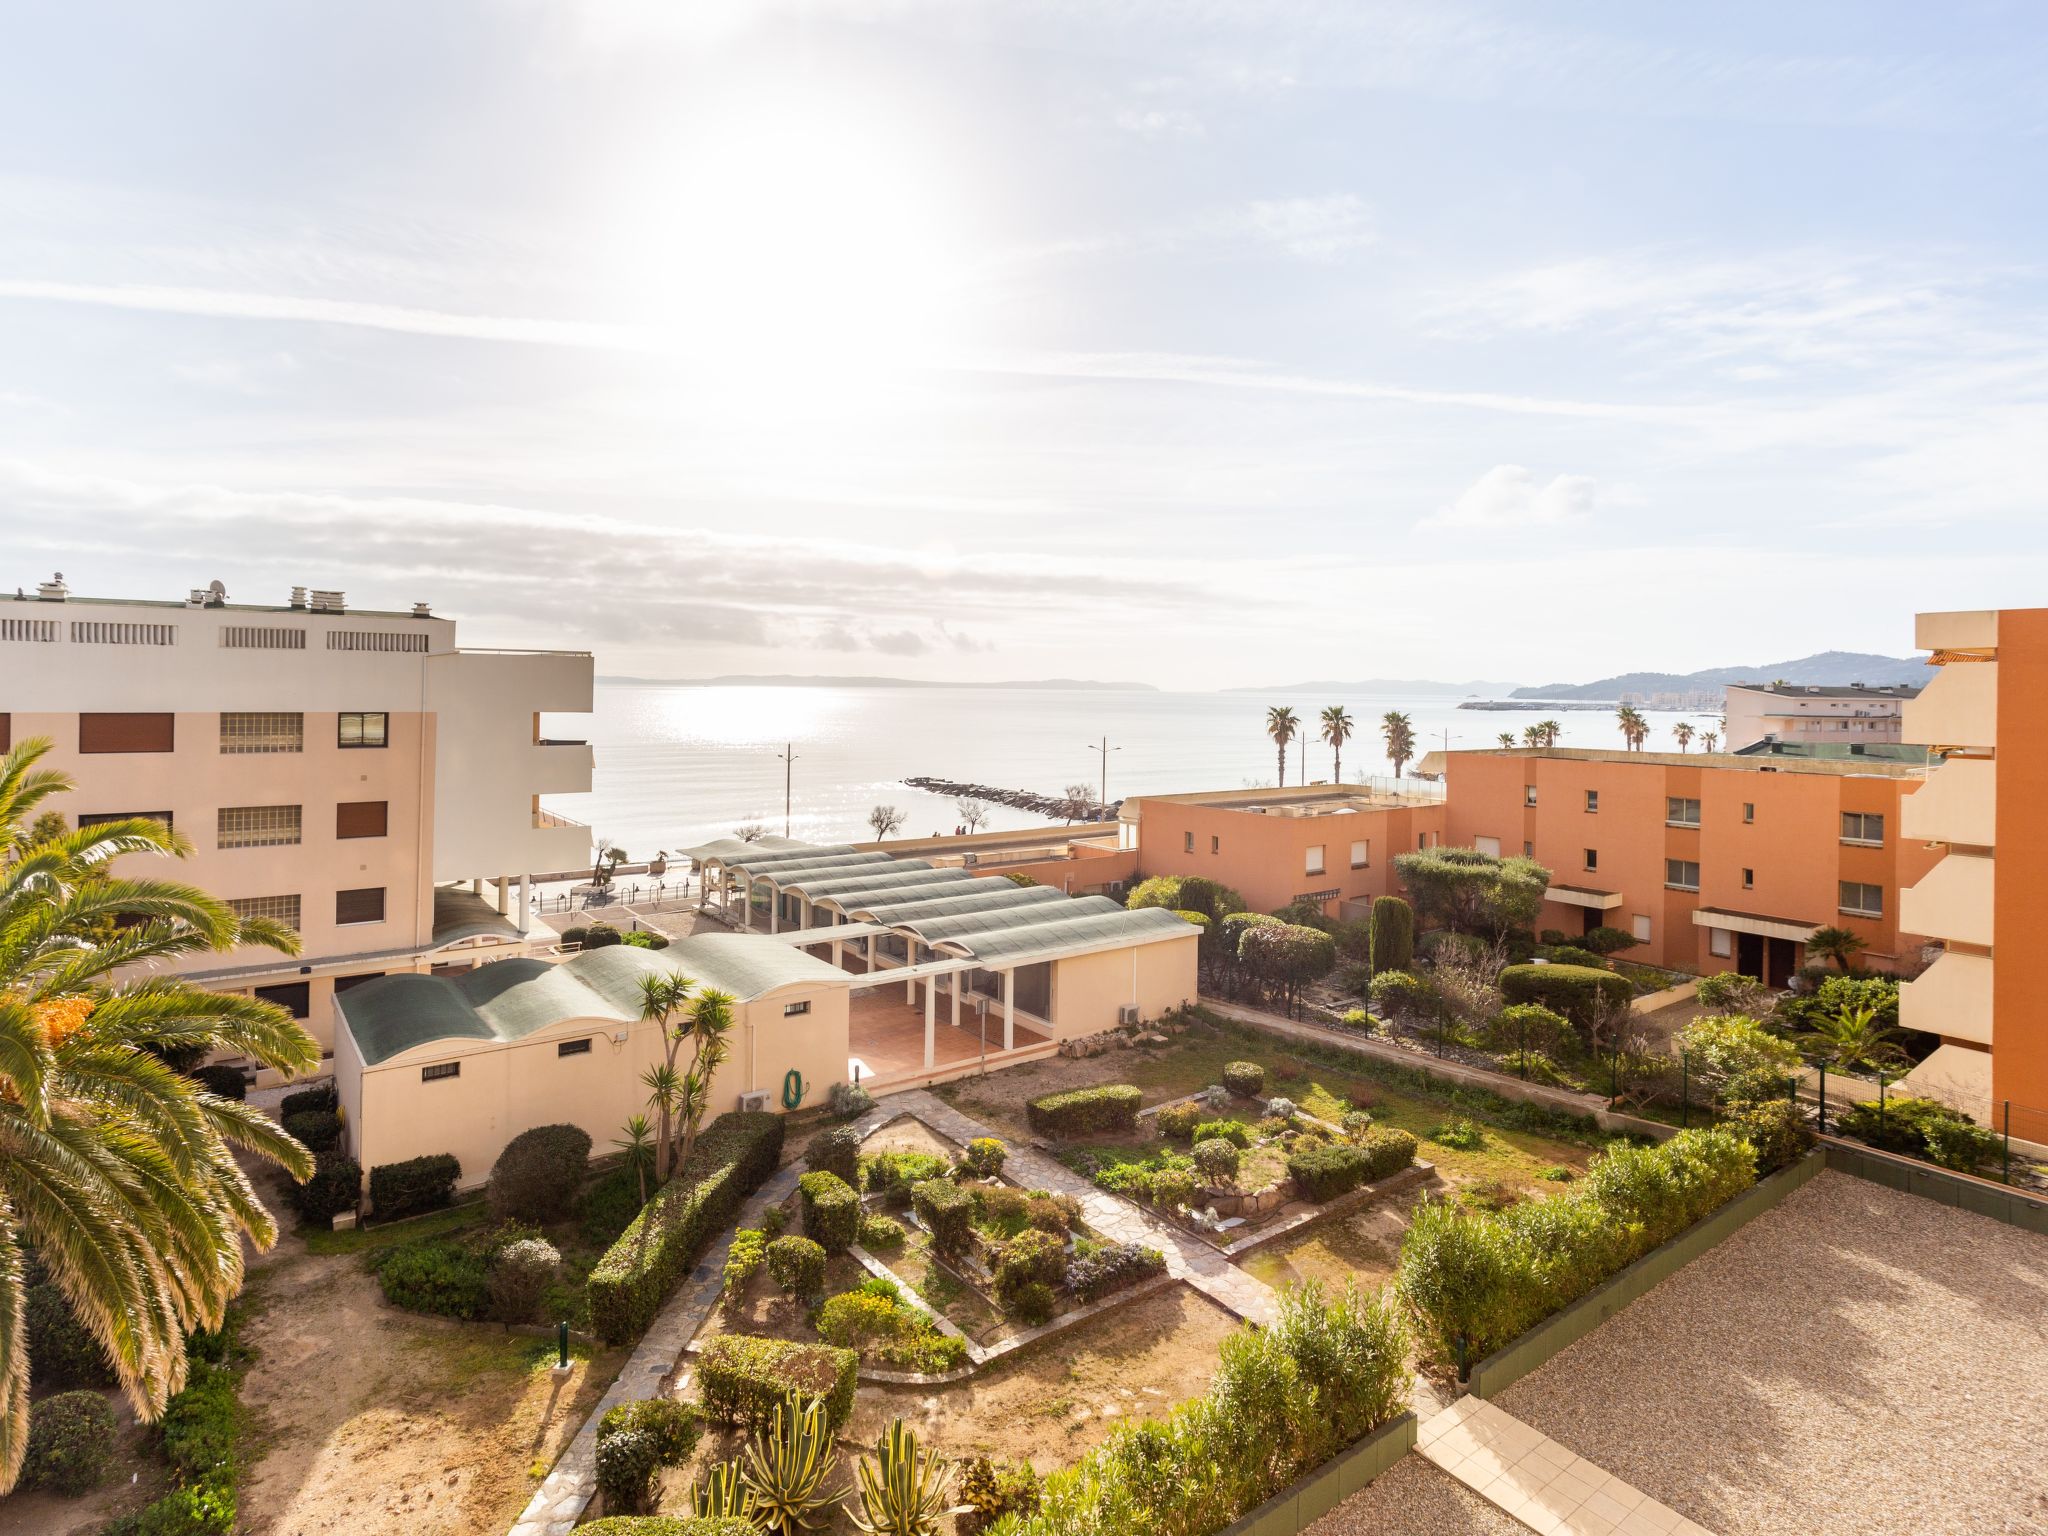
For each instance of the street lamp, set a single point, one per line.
(1103, 751)
(788, 758)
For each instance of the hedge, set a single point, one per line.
(1387, 1151)
(336, 1186)
(538, 1175)
(1103, 1271)
(731, 1160)
(1246, 1079)
(417, 1184)
(947, 1211)
(830, 1211)
(70, 1443)
(797, 1263)
(1327, 1171)
(1111, 1107)
(835, 1150)
(227, 1082)
(1572, 990)
(745, 1379)
(322, 1097)
(668, 1525)
(317, 1130)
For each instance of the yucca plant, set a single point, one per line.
(902, 1488)
(786, 1468)
(724, 1494)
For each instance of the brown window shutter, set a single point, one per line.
(6, 733)
(362, 818)
(127, 733)
(361, 906)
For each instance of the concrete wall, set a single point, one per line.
(2019, 1064)
(1087, 990)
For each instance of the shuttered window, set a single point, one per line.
(295, 997)
(127, 733)
(262, 732)
(362, 818)
(6, 732)
(101, 818)
(280, 909)
(360, 906)
(259, 826)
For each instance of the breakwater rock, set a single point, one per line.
(1021, 799)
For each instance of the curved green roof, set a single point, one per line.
(899, 875)
(969, 896)
(1086, 930)
(932, 929)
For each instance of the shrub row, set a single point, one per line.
(1923, 1128)
(744, 1379)
(1109, 1108)
(336, 1186)
(1114, 1267)
(321, 1097)
(1478, 1280)
(417, 1184)
(317, 1130)
(835, 1150)
(731, 1159)
(830, 1210)
(1575, 991)
(1325, 1171)
(947, 1212)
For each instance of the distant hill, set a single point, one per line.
(1828, 668)
(787, 680)
(1392, 685)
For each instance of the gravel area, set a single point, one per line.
(1416, 1498)
(1857, 1359)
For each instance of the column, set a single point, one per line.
(910, 958)
(704, 890)
(476, 886)
(746, 894)
(871, 954)
(953, 986)
(931, 1010)
(839, 952)
(774, 910)
(1009, 1010)
(525, 904)
(504, 890)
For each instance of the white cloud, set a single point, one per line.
(1507, 496)
(1316, 227)
(1160, 122)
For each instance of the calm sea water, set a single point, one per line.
(678, 764)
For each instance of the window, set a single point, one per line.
(295, 997)
(1361, 853)
(1592, 802)
(278, 909)
(343, 983)
(1528, 794)
(362, 730)
(1215, 845)
(573, 1048)
(1859, 828)
(1862, 900)
(104, 632)
(1421, 841)
(1748, 812)
(258, 637)
(127, 733)
(794, 1010)
(1187, 844)
(359, 906)
(1679, 812)
(262, 733)
(1314, 861)
(362, 818)
(1528, 849)
(1682, 874)
(101, 818)
(1720, 943)
(1749, 879)
(258, 826)
(436, 1073)
(1487, 845)
(1641, 927)
(1592, 858)
(6, 732)
(375, 640)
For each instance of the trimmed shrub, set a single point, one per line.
(61, 1350)
(1246, 1079)
(601, 936)
(1278, 1108)
(1529, 1026)
(883, 1233)
(1605, 940)
(1051, 1213)
(1236, 1132)
(798, 1265)
(848, 1100)
(1572, 990)
(1174, 1188)
(947, 1211)
(744, 1379)
(854, 1319)
(537, 1176)
(1113, 1267)
(1328, 1170)
(1031, 1257)
(1178, 1121)
(891, 1174)
(520, 1274)
(1776, 1129)
(830, 1210)
(575, 933)
(1393, 934)
(732, 1158)
(417, 1184)
(1032, 1303)
(1571, 954)
(299, 1102)
(1387, 1151)
(984, 1157)
(644, 938)
(636, 1440)
(227, 1082)
(317, 1130)
(835, 1151)
(743, 1259)
(202, 1426)
(1403, 994)
(1924, 1128)
(336, 1186)
(1110, 1108)
(1217, 1159)
(437, 1276)
(70, 1443)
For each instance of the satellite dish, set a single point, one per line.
(216, 588)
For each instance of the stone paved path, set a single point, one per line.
(1538, 1481)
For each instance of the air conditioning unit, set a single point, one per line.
(755, 1100)
(1127, 1013)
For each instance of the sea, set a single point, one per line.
(679, 764)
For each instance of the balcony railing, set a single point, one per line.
(556, 819)
(558, 741)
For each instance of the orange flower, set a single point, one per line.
(62, 1017)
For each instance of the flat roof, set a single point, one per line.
(1319, 799)
(1838, 751)
(1828, 691)
(1879, 767)
(20, 595)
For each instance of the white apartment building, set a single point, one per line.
(1805, 712)
(351, 773)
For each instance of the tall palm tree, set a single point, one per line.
(1337, 729)
(1548, 731)
(1709, 739)
(1281, 724)
(1682, 734)
(1532, 735)
(1635, 730)
(117, 1170)
(1399, 733)
(1507, 738)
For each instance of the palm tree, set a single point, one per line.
(1281, 725)
(636, 1151)
(1507, 739)
(1682, 734)
(119, 1171)
(1337, 728)
(1532, 735)
(1709, 739)
(1548, 731)
(1840, 945)
(1853, 1038)
(1635, 730)
(661, 998)
(1399, 733)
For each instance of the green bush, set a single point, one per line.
(743, 1259)
(417, 1184)
(1178, 1121)
(988, 1490)
(437, 1276)
(1326, 1170)
(848, 1100)
(879, 1233)
(1216, 1159)
(1246, 1079)
(70, 1443)
(1571, 954)
(1732, 1053)
(947, 1212)
(1403, 994)
(835, 1150)
(743, 1379)
(1236, 1132)
(1387, 1151)
(1393, 934)
(1607, 941)
(1459, 1134)
(202, 1509)
(635, 1441)
(855, 1319)
(317, 1130)
(305, 1099)
(984, 1157)
(61, 1351)
(891, 1174)
(1572, 990)
(1732, 992)
(1107, 1109)
(644, 938)
(520, 1274)
(1776, 1129)
(830, 1211)
(1030, 1258)
(1104, 1270)
(1173, 1188)
(798, 1265)
(601, 936)
(538, 1174)
(226, 1082)
(732, 1158)
(607, 1206)
(336, 1186)
(203, 1425)
(1923, 1128)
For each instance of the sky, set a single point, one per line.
(1206, 344)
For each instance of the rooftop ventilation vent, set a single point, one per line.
(422, 610)
(53, 590)
(298, 597)
(328, 602)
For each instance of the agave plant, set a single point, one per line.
(723, 1494)
(786, 1468)
(902, 1488)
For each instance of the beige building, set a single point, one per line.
(353, 774)
(1853, 715)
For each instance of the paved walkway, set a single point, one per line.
(1538, 1481)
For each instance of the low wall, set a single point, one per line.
(1510, 1363)
(1306, 1500)
(2000, 1202)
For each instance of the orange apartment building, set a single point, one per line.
(1714, 862)
(1333, 844)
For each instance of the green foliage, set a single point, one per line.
(732, 1157)
(302, 1100)
(984, 1157)
(879, 1233)
(520, 1274)
(1472, 892)
(1185, 893)
(336, 1186)
(848, 1100)
(1776, 1129)
(1109, 1108)
(1030, 1258)
(1105, 1269)
(1460, 1134)
(1195, 919)
(1529, 1026)
(835, 1150)
(787, 1465)
(744, 1258)
(744, 1379)
(876, 1320)
(635, 1441)
(1236, 1132)
(70, 1443)
(538, 1174)
(317, 1130)
(227, 1082)
(798, 1265)
(1307, 914)
(830, 1210)
(1325, 1170)
(1217, 1159)
(892, 1174)
(1572, 954)
(436, 1276)
(1607, 941)
(947, 1212)
(1924, 1128)
(203, 1426)
(201, 1509)
(1840, 945)
(1732, 1048)
(601, 936)
(1572, 990)
(1174, 1188)
(61, 1351)
(669, 1525)
(902, 1488)
(988, 1490)
(644, 938)
(1403, 994)
(1287, 956)
(1178, 1121)
(609, 1205)
(1246, 1079)
(1393, 934)
(1733, 992)
(1880, 994)
(415, 1185)
(724, 1495)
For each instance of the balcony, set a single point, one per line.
(1958, 709)
(1957, 803)
(560, 768)
(1952, 997)
(1952, 901)
(556, 819)
(1966, 630)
